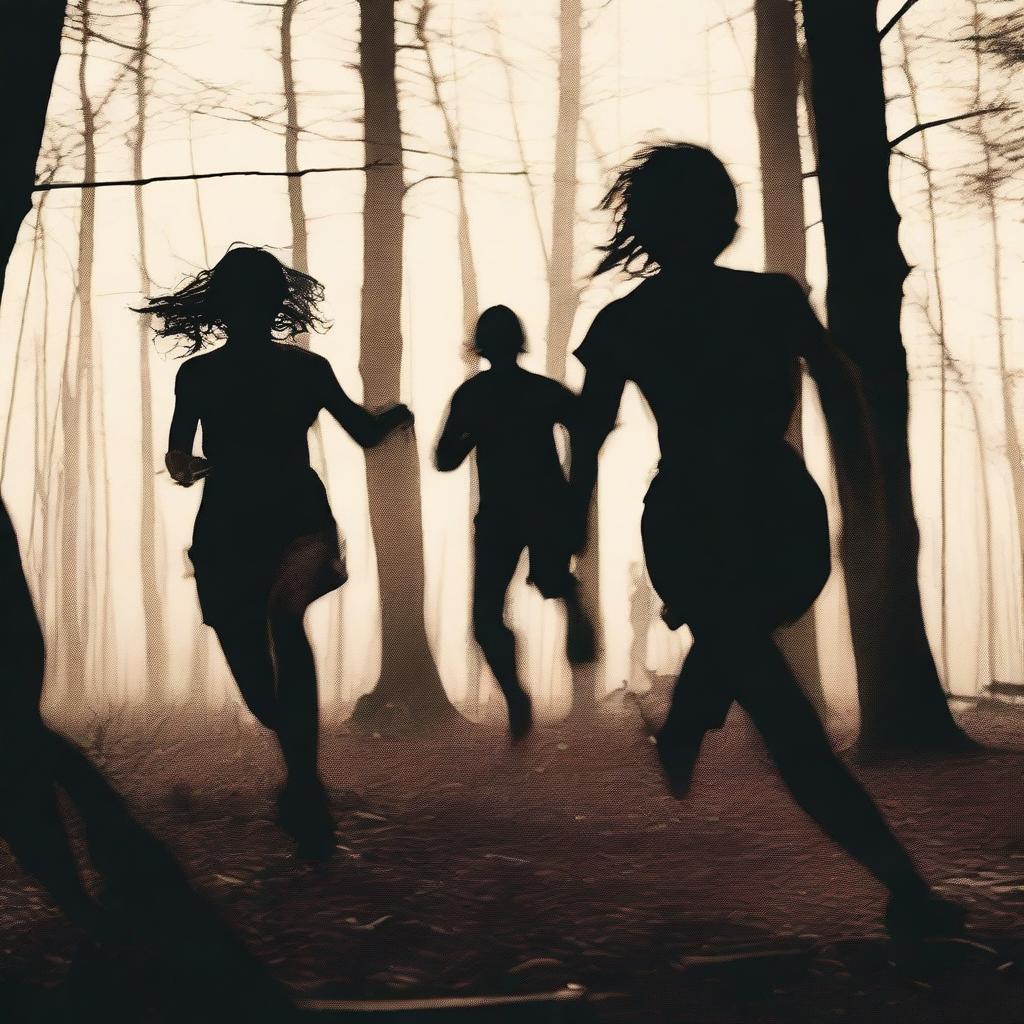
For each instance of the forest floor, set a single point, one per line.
(466, 865)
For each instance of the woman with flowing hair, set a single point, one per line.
(734, 528)
(265, 544)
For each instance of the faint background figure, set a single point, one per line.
(641, 614)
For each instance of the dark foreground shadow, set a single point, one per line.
(154, 948)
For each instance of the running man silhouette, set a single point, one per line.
(509, 415)
(265, 544)
(734, 529)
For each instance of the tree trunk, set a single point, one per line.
(300, 251)
(470, 299)
(950, 366)
(29, 51)
(563, 299)
(776, 95)
(155, 635)
(30, 48)
(988, 181)
(296, 207)
(76, 420)
(901, 698)
(409, 692)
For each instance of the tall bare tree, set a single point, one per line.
(155, 634)
(409, 691)
(30, 49)
(1002, 37)
(76, 404)
(467, 276)
(563, 298)
(901, 696)
(776, 93)
(300, 240)
(296, 206)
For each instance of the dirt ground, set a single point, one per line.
(465, 865)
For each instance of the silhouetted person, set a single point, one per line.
(508, 415)
(265, 544)
(734, 528)
(641, 609)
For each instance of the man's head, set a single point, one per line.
(499, 336)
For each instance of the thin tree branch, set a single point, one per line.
(453, 177)
(53, 185)
(942, 120)
(892, 22)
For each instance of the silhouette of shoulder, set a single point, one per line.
(600, 344)
(303, 356)
(194, 370)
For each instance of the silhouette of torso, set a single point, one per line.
(732, 517)
(511, 414)
(255, 407)
(715, 355)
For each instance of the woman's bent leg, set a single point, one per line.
(297, 701)
(700, 702)
(245, 641)
(303, 809)
(819, 781)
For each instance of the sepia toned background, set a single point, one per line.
(493, 176)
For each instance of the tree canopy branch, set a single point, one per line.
(942, 120)
(52, 185)
(894, 20)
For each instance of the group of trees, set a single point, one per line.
(818, 63)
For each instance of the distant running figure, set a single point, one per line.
(734, 528)
(508, 415)
(265, 544)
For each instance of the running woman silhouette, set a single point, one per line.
(734, 528)
(265, 544)
(508, 415)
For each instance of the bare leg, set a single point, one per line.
(700, 702)
(496, 559)
(580, 646)
(245, 642)
(820, 783)
(303, 809)
(297, 702)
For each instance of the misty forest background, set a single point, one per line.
(470, 175)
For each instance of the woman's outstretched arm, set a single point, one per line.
(366, 428)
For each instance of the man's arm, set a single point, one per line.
(456, 440)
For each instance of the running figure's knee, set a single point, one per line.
(286, 603)
(261, 704)
(489, 626)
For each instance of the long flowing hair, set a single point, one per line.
(196, 311)
(667, 188)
